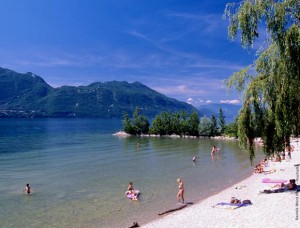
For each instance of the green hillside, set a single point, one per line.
(28, 95)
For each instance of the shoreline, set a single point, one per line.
(124, 134)
(275, 209)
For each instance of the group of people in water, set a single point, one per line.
(180, 194)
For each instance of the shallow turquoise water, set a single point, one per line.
(79, 172)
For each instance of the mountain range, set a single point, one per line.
(29, 96)
(230, 111)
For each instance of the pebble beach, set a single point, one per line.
(272, 210)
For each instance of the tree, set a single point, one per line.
(137, 125)
(193, 124)
(205, 126)
(214, 126)
(183, 122)
(231, 130)
(175, 124)
(162, 124)
(140, 122)
(222, 121)
(127, 123)
(271, 87)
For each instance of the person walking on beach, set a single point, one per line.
(27, 189)
(180, 190)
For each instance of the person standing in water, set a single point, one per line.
(213, 150)
(180, 190)
(27, 189)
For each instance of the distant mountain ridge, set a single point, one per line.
(230, 110)
(28, 95)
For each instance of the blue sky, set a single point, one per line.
(177, 47)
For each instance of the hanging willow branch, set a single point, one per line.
(271, 95)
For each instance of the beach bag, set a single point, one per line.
(247, 202)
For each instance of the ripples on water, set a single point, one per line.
(79, 172)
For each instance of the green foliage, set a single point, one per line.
(162, 124)
(231, 130)
(205, 127)
(214, 126)
(271, 104)
(239, 79)
(137, 125)
(193, 124)
(178, 123)
(222, 121)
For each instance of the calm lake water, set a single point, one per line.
(79, 172)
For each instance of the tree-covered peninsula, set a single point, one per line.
(178, 123)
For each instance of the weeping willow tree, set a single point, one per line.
(270, 86)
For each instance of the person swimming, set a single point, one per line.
(27, 189)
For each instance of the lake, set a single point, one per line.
(79, 172)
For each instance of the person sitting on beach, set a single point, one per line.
(264, 162)
(282, 155)
(27, 189)
(180, 190)
(276, 159)
(288, 150)
(258, 169)
(290, 186)
(283, 187)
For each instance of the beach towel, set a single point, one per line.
(268, 180)
(229, 206)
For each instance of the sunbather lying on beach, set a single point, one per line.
(258, 169)
(269, 171)
(276, 158)
(290, 186)
(282, 187)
